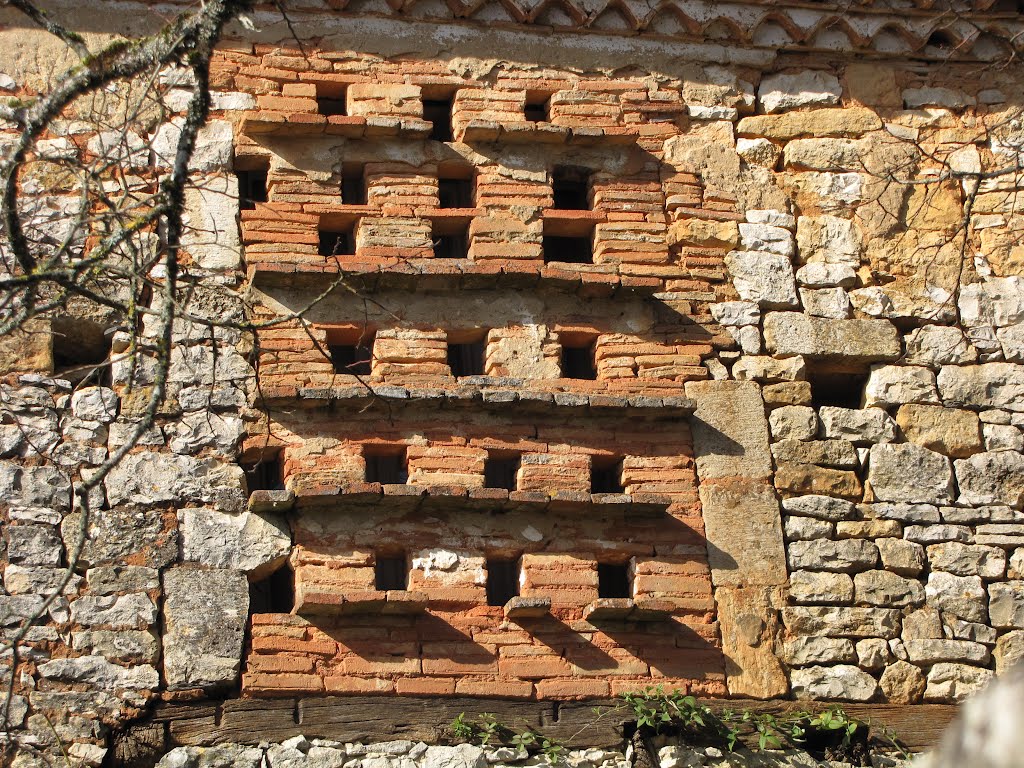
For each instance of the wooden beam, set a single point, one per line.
(420, 718)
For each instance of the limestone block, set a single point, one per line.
(803, 651)
(794, 333)
(828, 239)
(736, 313)
(824, 155)
(937, 345)
(844, 556)
(827, 453)
(202, 429)
(817, 587)
(934, 534)
(153, 478)
(890, 385)
(820, 274)
(748, 621)
(730, 430)
(832, 303)
(992, 478)
(787, 393)
(842, 682)
(766, 239)
(372, 99)
(98, 672)
(140, 647)
(214, 148)
(122, 578)
(902, 683)
(205, 613)
(900, 556)
(747, 338)
(27, 350)
(20, 580)
(950, 431)
(967, 559)
(744, 533)
(955, 682)
(1012, 341)
(821, 507)
(95, 404)
(256, 544)
(810, 478)
(1006, 604)
(887, 589)
(922, 624)
(908, 472)
(33, 545)
(764, 278)
(211, 233)
(785, 90)
(130, 611)
(1009, 651)
(760, 152)
(990, 385)
(927, 652)
(800, 528)
(793, 422)
(963, 596)
(850, 121)
(1002, 437)
(764, 368)
(115, 535)
(705, 233)
(873, 653)
(842, 621)
(527, 352)
(859, 426)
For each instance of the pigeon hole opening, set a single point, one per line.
(264, 471)
(570, 188)
(578, 357)
(569, 249)
(352, 352)
(336, 243)
(438, 111)
(274, 593)
(613, 580)
(537, 108)
(467, 353)
(455, 186)
(450, 239)
(81, 350)
(606, 475)
(390, 571)
(252, 182)
(386, 465)
(330, 99)
(502, 580)
(353, 184)
(840, 388)
(501, 470)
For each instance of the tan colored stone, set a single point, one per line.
(713, 234)
(748, 621)
(902, 683)
(809, 478)
(950, 431)
(874, 85)
(853, 121)
(730, 430)
(27, 351)
(744, 533)
(787, 393)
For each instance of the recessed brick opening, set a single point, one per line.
(353, 184)
(578, 360)
(466, 355)
(606, 475)
(330, 99)
(842, 389)
(570, 187)
(387, 466)
(353, 355)
(265, 472)
(537, 108)
(502, 471)
(451, 240)
(439, 112)
(613, 580)
(573, 250)
(252, 184)
(391, 571)
(502, 580)
(455, 192)
(81, 349)
(273, 594)
(336, 243)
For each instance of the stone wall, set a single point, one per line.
(806, 310)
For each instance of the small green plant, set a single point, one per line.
(835, 719)
(461, 729)
(488, 730)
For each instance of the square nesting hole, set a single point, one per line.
(606, 475)
(351, 353)
(438, 111)
(386, 465)
(450, 239)
(353, 184)
(330, 99)
(502, 580)
(336, 242)
(570, 188)
(391, 571)
(613, 580)
(501, 470)
(252, 183)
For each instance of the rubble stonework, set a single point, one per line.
(793, 283)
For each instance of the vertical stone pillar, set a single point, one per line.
(744, 531)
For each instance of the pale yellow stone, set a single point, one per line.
(707, 233)
(853, 121)
(949, 431)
